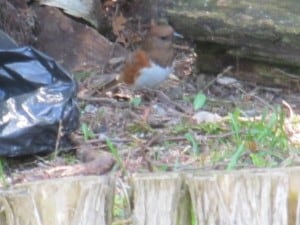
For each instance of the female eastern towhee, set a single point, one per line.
(152, 63)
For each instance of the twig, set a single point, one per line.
(226, 70)
(153, 140)
(258, 98)
(114, 140)
(59, 135)
(271, 89)
(168, 100)
(144, 149)
(289, 108)
(98, 99)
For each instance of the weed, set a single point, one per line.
(69, 159)
(136, 101)
(121, 207)
(118, 210)
(139, 127)
(87, 132)
(210, 128)
(188, 98)
(263, 139)
(180, 128)
(193, 217)
(235, 126)
(258, 160)
(114, 151)
(236, 156)
(199, 101)
(2, 172)
(163, 167)
(80, 76)
(195, 147)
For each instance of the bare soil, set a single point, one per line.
(150, 135)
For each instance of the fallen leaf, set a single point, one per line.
(199, 101)
(118, 24)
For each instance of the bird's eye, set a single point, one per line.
(164, 38)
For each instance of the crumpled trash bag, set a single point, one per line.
(37, 99)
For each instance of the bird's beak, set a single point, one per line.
(177, 35)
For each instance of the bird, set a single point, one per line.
(152, 63)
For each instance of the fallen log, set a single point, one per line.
(260, 39)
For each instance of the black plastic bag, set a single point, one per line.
(36, 97)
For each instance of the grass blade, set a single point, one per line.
(236, 156)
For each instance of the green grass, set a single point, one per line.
(239, 141)
(199, 101)
(195, 146)
(69, 158)
(139, 127)
(119, 206)
(263, 141)
(186, 126)
(114, 151)
(236, 156)
(193, 217)
(2, 172)
(122, 208)
(87, 132)
(80, 76)
(136, 101)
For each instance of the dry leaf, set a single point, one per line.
(109, 3)
(252, 146)
(122, 40)
(118, 24)
(135, 38)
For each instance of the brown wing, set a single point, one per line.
(137, 61)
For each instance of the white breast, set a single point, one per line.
(152, 76)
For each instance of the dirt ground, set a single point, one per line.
(148, 137)
(130, 131)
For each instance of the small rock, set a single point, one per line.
(90, 108)
(159, 110)
(228, 81)
(116, 60)
(102, 137)
(206, 117)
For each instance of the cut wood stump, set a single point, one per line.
(254, 197)
(159, 199)
(72, 201)
(239, 198)
(245, 197)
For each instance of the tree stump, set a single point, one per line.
(74, 200)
